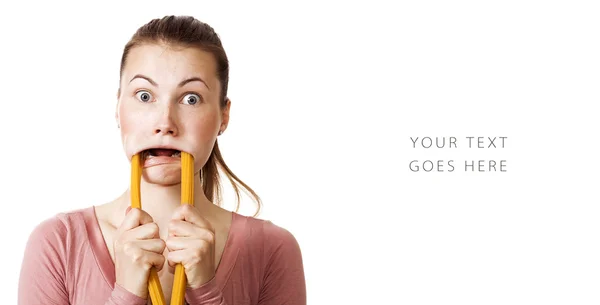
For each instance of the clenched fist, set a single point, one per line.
(137, 249)
(191, 242)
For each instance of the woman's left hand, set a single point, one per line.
(191, 242)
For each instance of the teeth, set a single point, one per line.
(146, 155)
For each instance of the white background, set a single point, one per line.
(325, 99)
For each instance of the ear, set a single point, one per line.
(225, 115)
(117, 106)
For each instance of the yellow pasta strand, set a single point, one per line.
(187, 197)
(136, 176)
(154, 287)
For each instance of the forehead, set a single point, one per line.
(168, 65)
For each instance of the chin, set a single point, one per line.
(165, 175)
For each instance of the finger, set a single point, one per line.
(133, 219)
(151, 245)
(147, 231)
(180, 243)
(144, 217)
(184, 228)
(178, 257)
(191, 214)
(171, 265)
(147, 252)
(155, 260)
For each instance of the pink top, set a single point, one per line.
(66, 261)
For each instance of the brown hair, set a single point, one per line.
(187, 31)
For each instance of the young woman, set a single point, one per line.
(172, 97)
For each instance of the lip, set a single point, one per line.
(154, 161)
(160, 160)
(160, 146)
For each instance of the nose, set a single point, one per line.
(166, 129)
(166, 124)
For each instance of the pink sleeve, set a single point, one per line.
(284, 282)
(43, 270)
(207, 294)
(44, 274)
(121, 296)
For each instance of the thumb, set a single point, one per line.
(134, 218)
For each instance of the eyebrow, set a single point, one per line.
(181, 84)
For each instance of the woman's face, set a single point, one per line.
(169, 98)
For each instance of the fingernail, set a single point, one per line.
(127, 210)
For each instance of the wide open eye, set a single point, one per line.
(191, 99)
(143, 96)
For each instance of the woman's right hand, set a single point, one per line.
(137, 248)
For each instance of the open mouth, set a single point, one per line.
(160, 152)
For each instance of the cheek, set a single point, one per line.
(129, 118)
(132, 123)
(126, 124)
(203, 131)
(204, 126)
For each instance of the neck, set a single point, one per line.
(160, 201)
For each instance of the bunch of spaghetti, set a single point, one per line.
(187, 197)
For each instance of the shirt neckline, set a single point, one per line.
(107, 266)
